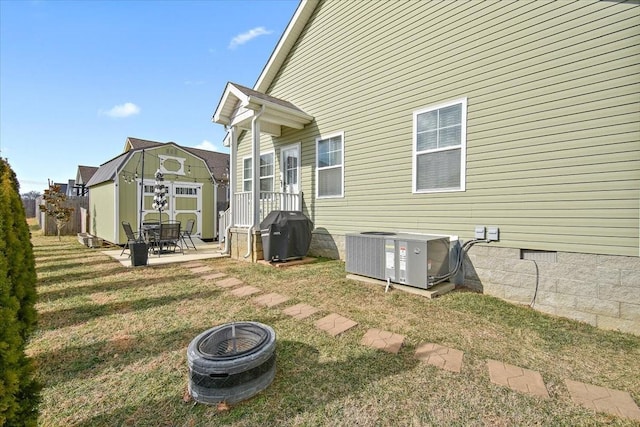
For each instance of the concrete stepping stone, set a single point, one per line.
(440, 356)
(383, 340)
(601, 399)
(193, 264)
(270, 300)
(335, 324)
(245, 291)
(202, 269)
(516, 378)
(300, 311)
(229, 282)
(214, 276)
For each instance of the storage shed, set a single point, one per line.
(122, 188)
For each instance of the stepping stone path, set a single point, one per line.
(516, 378)
(300, 311)
(615, 402)
(203, 269)
(603, 399)
(193, 264)
(270, 300)
(245, 291)
(335, 324)
(443, 357)
(383, 340)
(214, 276)
(229, 282)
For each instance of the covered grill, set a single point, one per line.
(286, 235)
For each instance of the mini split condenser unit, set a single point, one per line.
(404, 258)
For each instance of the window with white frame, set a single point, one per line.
(246, 174)
(267, 175)
(266, 171)
(330, 166)
(439, 147)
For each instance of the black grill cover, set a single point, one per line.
(286, 235)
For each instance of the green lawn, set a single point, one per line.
(111, 349)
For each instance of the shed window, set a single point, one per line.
(439, 147)
(330, 166)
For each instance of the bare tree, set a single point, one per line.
(53, 206)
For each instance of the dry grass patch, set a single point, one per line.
(111, 349)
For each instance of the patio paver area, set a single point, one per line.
(601, 399)
(300, 311)
(440, 356)
(516, 378)
(383, 340)
(229, 282)
(245, 291)
(270, 300)
(335, 324)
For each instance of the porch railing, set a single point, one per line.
(269, 201)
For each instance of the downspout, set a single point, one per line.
(255, 188)
(232, 185)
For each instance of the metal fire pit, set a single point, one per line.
(231, 362)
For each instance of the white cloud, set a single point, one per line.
(125, 110)
(207, 145)
(249, 35)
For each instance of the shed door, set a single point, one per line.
(184, 203)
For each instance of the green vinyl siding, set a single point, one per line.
(553, 117)
(102, 211)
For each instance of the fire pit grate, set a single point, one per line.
(231, 362)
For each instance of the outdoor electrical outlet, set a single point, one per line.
(480, 232)
(493, 234)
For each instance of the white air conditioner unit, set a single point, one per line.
(404, 258)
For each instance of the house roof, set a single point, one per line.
(239, 105)
(85, 173)
(287, 40)
(218, 163)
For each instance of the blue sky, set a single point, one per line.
(78, 77)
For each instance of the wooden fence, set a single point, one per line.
(74, 226)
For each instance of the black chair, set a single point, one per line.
(186, 234)
(167, 238)
(131, 237)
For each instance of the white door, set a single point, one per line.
(184, 203)
(290, 168)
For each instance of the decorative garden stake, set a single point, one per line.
(159, 194)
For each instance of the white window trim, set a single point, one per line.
(318, 169)
(463, 147)
(244, 178)
(273, 175)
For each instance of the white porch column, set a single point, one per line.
(233, 158)
(255, 158)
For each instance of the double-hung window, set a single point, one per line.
(439, 147)
(266, 172)
(330, 166)
(267, 168)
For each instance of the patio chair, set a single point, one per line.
(186, 234)
(167, 238)
(131, 237)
